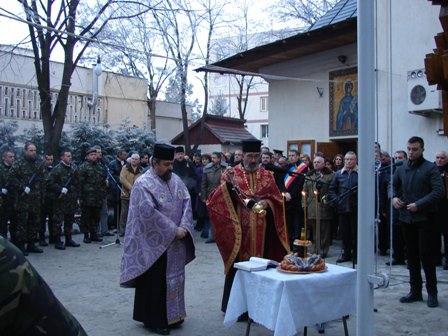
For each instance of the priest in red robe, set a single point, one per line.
(247, 215)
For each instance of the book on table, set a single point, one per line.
(256, 264)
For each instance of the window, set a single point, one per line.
(264, 131)
(263, 104)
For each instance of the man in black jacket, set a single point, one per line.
(417, 190)
(343, 194)
(291, 187)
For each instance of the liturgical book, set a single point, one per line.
(256, 264)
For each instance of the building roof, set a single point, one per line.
(218, 130)
(343, 10)
(336, 28)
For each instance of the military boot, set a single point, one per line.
(86, 238)
(21, 246)
(94, 237)
(59, 245)
(32, 248)
(70, 242)
(42, 241)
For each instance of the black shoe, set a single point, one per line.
(43, 242)
(86, 239)
(343, 259)
(59, 245)
(121, 234)
(107, 234)
(22, 248)
(159, 331)
(432, 301)
(95, 238)
(210, 241)
(31, 248)
(396, 262)
(243, 317)
(411, 297)
(71, 243)
(176, 325)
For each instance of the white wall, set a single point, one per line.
(227, 86)
(298, 113)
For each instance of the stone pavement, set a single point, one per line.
(85, 280)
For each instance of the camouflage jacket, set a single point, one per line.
(63, 176)
(27, 305)
(27, 173)
(7, 199)
(92, 182)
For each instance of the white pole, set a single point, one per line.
(366, 192)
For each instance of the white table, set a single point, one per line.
(287, 303)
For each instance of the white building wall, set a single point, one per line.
(255, 117)
(298, 113)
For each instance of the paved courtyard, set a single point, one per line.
(85, 280)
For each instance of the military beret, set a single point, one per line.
(91, 150)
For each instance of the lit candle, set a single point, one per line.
(304, 222)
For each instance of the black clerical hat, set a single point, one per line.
(180, 149)
(278, 151)
(251, 145)
(163, 152)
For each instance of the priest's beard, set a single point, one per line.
(167, 175)
(250, 166)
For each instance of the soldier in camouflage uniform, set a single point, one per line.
(26, 178)
(46, 210)
(63, 185)
(27, 304)
(92, 182)
(7, 199)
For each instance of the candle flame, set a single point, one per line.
(303, 193)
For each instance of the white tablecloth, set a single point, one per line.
(285, 303)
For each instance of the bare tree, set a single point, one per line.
(137, 49)
(303, 12)
(55, 23)
(178, 24)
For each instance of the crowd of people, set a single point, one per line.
(252, 202)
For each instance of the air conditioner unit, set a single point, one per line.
(423, 99)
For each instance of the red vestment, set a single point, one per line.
(240, 232)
